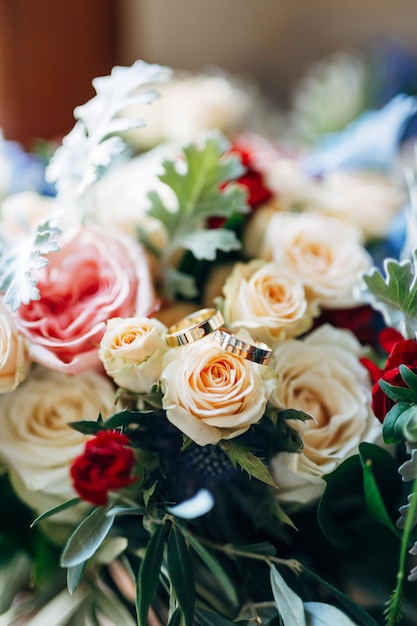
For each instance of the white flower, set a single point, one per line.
(326, 254)
(37, 445)
(210, 394)
(131, 351)
(367, 200)
(268, 300)
(20, 212)
(14, 359)
(323, 377)
(190, 104)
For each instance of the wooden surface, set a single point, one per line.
(50, 50)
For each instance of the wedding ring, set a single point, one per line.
(194, 327)
(257, 353)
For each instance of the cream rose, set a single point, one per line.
(268, 300)
(131, 351)
(36, 444)
(365, 199)
(210, 394)
(326, 254)
(323, 377)
(14, 360)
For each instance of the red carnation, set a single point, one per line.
(105, 465)
(400, 351)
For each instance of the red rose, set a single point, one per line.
(400, 351)
(105, 465)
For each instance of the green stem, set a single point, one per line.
(393, 612)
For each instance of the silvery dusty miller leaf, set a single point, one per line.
(17, 264)
(394, 295)
(94, 140)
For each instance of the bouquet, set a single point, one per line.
(208, 367)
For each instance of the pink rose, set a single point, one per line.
(92, 278)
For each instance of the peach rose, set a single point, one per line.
(93, 277)
(131, 351)
(268, 300)
(36, 444)
(14, 360)
(210, 394)
(322, 376)
(325, 253)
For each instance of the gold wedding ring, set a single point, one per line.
(194, 327)
(257, 353)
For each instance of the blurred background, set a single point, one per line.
(50, 51)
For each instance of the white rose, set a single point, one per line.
(131, 351)
(268, 300)
(36, 444)
(365, 199)
(326, 253)
(14, 359)
(210, 394)
(323, 377)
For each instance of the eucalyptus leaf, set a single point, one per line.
(213, 565)
(74, 575)
(125, 509)
(289, 604)
(181, 574)
(374, 457)
(396, 421)
(149, 573)
(248, 461)
(175, 619)
(87, 537)
(409, 377)
(321, 614)
(397, 394)
(57, 509)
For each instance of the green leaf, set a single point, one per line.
(395, 294)
(398, 394)
(149, 573)
(373, 457)
(295, 414)
(18, 263)
(200, 190)
(87, 427)
(409, 377)
(112, 608)
(74, 575)
(87, 537)
(175, 618)
(213, 565)
(289, 604)
(125, 509)
(263, 547)
(207, 618)
(126, 417)
(55, 510)
(362, 618)
(181, 574)
(341, 512)
(148, 493)
(396, 421)
(248, 461)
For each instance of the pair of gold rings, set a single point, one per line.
(209, 322)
